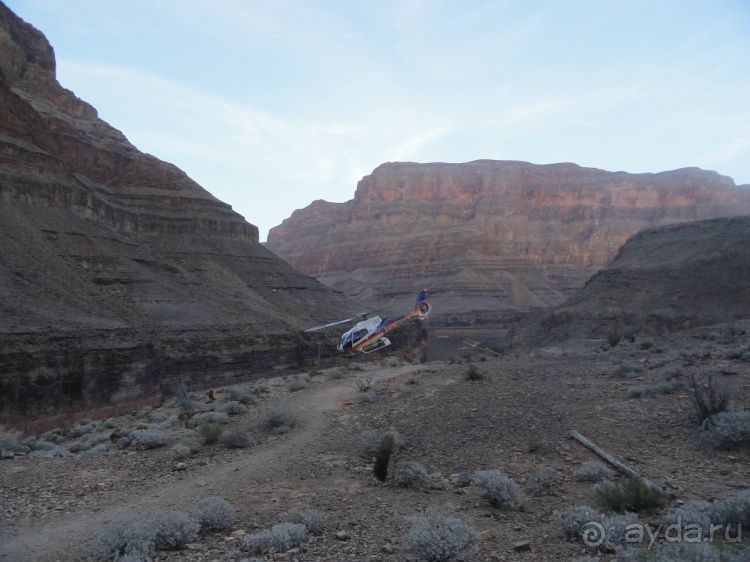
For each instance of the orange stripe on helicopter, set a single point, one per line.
(388, 327)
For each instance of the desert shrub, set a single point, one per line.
(727, 430)
(732, 512)
(191, 443)
(97, 449)
(287, 535)
(280, 418)
(295, 383)
(181, 392)
(242, 396)
(391, 361)
(498, 489)
(613, 338)
(180, 451)
(628, 494)
(369, 440)
(411, 474)
(440, 537)
(541, 481)
(42, 445)
(369, 396)
(214, 513)
(311, 518)
(210, 417)
(708, 395)
(257, 542)
(99, 438)
(234, 439)
(412, 381)
(646, 345)
(233, 408)
(77, 447)
(364, 384)
(127, 538)
(149, 438)
(570, 521)
(473, 374)
(174, 529)
(210, 432)
(593, 472)
(580, 523)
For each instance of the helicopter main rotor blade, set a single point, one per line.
(324, 326)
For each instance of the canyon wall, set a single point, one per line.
(118, 273)
(662, 280)
(490, 239)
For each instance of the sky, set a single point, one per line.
(272, 104)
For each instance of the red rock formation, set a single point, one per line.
(117, 271)
(489, 236)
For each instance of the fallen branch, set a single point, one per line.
(619, 465)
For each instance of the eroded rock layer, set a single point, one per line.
(663, 280)
(118, 272)
(489, 238)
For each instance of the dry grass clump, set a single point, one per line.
(174, 529)
(727, 430)
(233, 408)
(498, 489)
(709, 396)
(234, 439)
(311, 518)
(149, 438)
(210, 432)
(441, 537)
(411, 474)
(280, 418)
(214, 513)
(542, 481)
(628, 494)
(593, 472)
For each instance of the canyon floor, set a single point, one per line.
(515, 419)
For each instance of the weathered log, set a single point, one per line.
(619, 465)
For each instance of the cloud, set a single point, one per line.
(263, 164)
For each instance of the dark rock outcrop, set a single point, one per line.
(491, 239)
(663, 280)
(118, 273)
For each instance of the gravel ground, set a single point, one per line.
(516, 420)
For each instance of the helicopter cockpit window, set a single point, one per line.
(359, 334)
(346, 339)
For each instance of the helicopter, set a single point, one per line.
(368, 334)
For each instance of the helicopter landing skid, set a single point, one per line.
(380, 344)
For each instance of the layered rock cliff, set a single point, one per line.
(662, 280)
(489, 238)
(117, 271)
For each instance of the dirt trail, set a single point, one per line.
(72, 533)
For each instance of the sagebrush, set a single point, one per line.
(441, 537)
(411, 474)
(498, 489)
(214, 513)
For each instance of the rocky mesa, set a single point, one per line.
(491, 239)
(118, 273)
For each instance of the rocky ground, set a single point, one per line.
(514, 418)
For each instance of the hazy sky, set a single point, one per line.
(270, 105)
